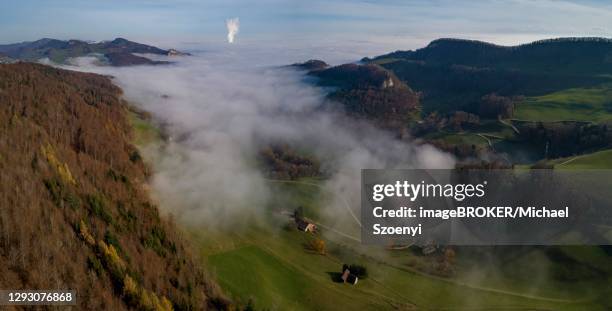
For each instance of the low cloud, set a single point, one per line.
(221, 108)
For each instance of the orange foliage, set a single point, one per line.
(71, 177)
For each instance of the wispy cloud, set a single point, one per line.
(399, 22)
(221, 107)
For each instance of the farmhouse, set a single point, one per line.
(348, 277)
(305, 226)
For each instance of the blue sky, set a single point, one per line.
(389, 22)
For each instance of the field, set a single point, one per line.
(458, 138)
(144, 131)
(579, 104)
(270, 265)
(596, 160)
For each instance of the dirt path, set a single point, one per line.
(487, 139)
(571, 160)
(504, 122)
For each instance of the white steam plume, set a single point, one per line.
(233, 26)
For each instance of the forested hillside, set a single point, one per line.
(118, 52)
(454, 74)
(515, 104)
(370, 92)
(74, 211)
(580, 56)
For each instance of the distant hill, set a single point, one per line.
(121, 59)
(482, 101)
(575, 56)
(118, 52)
(5, 59)
(368, 91)
(454, 74)
(75, 213)
(350, 76)
(311, 65)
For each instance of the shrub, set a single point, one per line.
(135, 156)
(112, 240)
(72, 200)
(130, 290)
(143, 299)
(111, 257)
(94, 264)
(61, 195)
(317, 245)
(155, 240)
(84, 233)
(112, 174)
(97, 206)
(56, 190)
(62, 169)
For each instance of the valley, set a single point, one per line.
(267, 263)
(271, 266)
(272, 215)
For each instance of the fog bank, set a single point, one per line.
(220, 107)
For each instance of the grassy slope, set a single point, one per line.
(458, 138)
(281, 280)
(277, 273)
(582, 104)
(144, 131)
(596, 160)
(265, 276)
(272, 266)
(531, 270)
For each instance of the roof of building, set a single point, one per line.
(303, 224)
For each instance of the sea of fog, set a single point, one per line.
(222, 105)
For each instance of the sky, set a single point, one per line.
(366, 26)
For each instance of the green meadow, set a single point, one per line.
(144, 131)
(269, 264)
(595, 160)
(579, 104)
